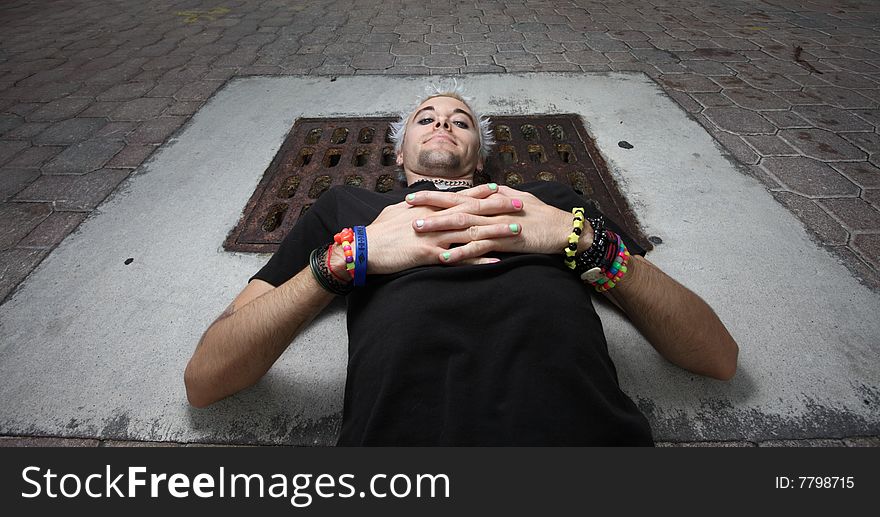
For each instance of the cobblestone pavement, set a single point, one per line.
(89, 89)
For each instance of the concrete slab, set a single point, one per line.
(92, 347)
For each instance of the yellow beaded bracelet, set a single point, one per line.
(574, 237)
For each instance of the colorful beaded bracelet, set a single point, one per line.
(345, 238)
(607, 276)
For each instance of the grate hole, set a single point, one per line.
(274, 217)
(305, 156)
(507, 154)
(384, 183)
(502, 133)
(305, 209)
(388, 139)
(331, 159)
(566, 153)
(314, 136)
(339, 136)
(288, 187)
(361, 157)
(319, 186)
(513, 179)
(546, 176)
(556, 131)
(354, 180)
(366, 135)
(579, 183)
(536, 154)
(388, 156)
(529, 132)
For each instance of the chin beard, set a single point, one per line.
(437, 159)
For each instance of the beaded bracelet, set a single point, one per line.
(609, 274)
(598, 249)
(345, 238)
(360, 270)
(322, 273)
(573, 238)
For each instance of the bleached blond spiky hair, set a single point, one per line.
(456, 91)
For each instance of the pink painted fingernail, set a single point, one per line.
(516, 203)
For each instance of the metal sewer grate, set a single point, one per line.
(320, 153)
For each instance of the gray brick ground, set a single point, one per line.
(70, 131)
(809, 177)
(79, 192)
(13, 180)
(53, 229)
(83, 157)
(74, 99)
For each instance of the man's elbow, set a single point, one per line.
(725, 367)
(195, 394)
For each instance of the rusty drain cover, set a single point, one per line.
(320, 153)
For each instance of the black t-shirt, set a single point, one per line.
(511, 353)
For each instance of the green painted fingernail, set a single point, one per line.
(493, 186)
(446, 256)
(410, 197)
(514, 228)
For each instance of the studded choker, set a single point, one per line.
(445, 184)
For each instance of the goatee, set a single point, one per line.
(438, 159)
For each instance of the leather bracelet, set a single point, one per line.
(322, 274)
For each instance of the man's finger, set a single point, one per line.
(480, 191)
(454, 202)
(481, 233)
(470, 250)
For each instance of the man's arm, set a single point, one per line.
(244, 342)
(677, 322)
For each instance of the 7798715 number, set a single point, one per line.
(815, 482)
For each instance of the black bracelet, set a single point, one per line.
(598, 250)
(318, 265)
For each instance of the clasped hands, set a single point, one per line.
(436, 227)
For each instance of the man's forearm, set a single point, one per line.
(239, 348)
(677, 322)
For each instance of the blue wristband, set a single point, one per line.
(360, 256)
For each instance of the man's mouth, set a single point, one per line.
(441, 136)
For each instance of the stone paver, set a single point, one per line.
(83, 157)
(18, 219)
(73, 192)
(809, 177)
(822, 145)
(791, 89)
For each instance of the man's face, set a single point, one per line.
(442, 139)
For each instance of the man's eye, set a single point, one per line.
(425, 121)
(461, 124)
